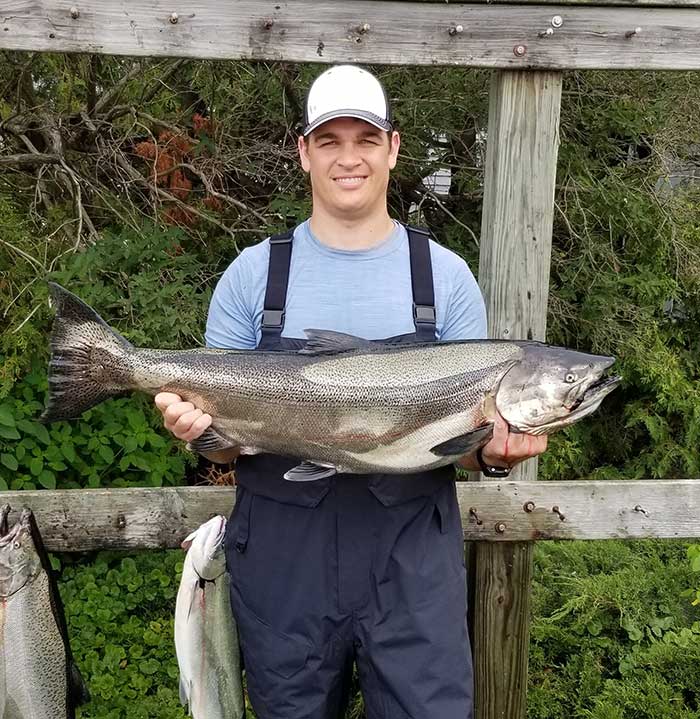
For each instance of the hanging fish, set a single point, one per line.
(206, 637)
(39, 679)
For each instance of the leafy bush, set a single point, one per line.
(120, 620)
(611, 637)
(120, 443)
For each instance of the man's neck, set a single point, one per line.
(351, 234)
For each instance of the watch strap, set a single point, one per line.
(489, 470)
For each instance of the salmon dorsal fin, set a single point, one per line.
(330, 342)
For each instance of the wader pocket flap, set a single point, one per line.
(269, 649)
(263, 474)
(393, 489)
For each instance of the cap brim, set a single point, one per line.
(370, 117)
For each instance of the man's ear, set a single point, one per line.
(394, 145)
(303, 154)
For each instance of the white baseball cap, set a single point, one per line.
(347, 91)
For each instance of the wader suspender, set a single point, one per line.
(421, 283)
(277, 278)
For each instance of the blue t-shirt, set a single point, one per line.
(362, 292)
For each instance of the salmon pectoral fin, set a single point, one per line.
(211, 441)
(309, 472)
(465, 443)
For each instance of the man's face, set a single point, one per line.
(348, 161)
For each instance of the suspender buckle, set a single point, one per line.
(273, 318)
(281, 239)
(424, 314)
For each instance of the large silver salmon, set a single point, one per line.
(342, 404)
(206, 637)
(40, 679)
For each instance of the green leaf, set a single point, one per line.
(6, 416)
(68, 451)
(106, 453)
(9, 433)
(10, 461)
(47, 479)
(36, 465)
(35, 429)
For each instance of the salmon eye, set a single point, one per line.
(16, 545)
(570, 377)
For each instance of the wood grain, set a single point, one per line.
(401, 33)
(516, 242)
(77, 520)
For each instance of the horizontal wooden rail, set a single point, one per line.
(415, 33)
(89, 519)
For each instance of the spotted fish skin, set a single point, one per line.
(40, 678)
(345, 403)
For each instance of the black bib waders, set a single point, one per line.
(363, 568)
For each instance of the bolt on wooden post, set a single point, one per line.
(516, 241)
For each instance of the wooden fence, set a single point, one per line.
(528, 43)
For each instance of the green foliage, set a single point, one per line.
(150, 285)
(611, 635)
(120, 443)
(120, 619)
(694, 559)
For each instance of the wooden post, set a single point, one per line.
(516, 241)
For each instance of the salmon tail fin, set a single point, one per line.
(78, 693)
(89, 360)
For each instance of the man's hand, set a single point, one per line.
(187, 422)
(183, 419)
(505, 448)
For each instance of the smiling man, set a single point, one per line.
(349, 569)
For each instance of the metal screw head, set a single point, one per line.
(456, 29)
(557, 21)
(74, 13)
(121, 521)
(174, 17)
(500, 527)
(365, 27)
(518, 51)
(268, 23)
(529, 506)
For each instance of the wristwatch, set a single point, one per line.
(489, 470)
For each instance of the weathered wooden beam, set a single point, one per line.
(516, 242)
(78, 520)
(505, 36)
(609, 3)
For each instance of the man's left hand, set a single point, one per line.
(506, 448)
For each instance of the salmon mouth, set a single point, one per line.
(595, 393)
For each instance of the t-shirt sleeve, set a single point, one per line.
(230, 323)
(465, 313)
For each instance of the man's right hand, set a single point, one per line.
(187, 422)
(183, 419)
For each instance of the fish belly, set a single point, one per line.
(33, 650)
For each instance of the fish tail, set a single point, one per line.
(89, 360)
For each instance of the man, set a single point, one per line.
(364, 569)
